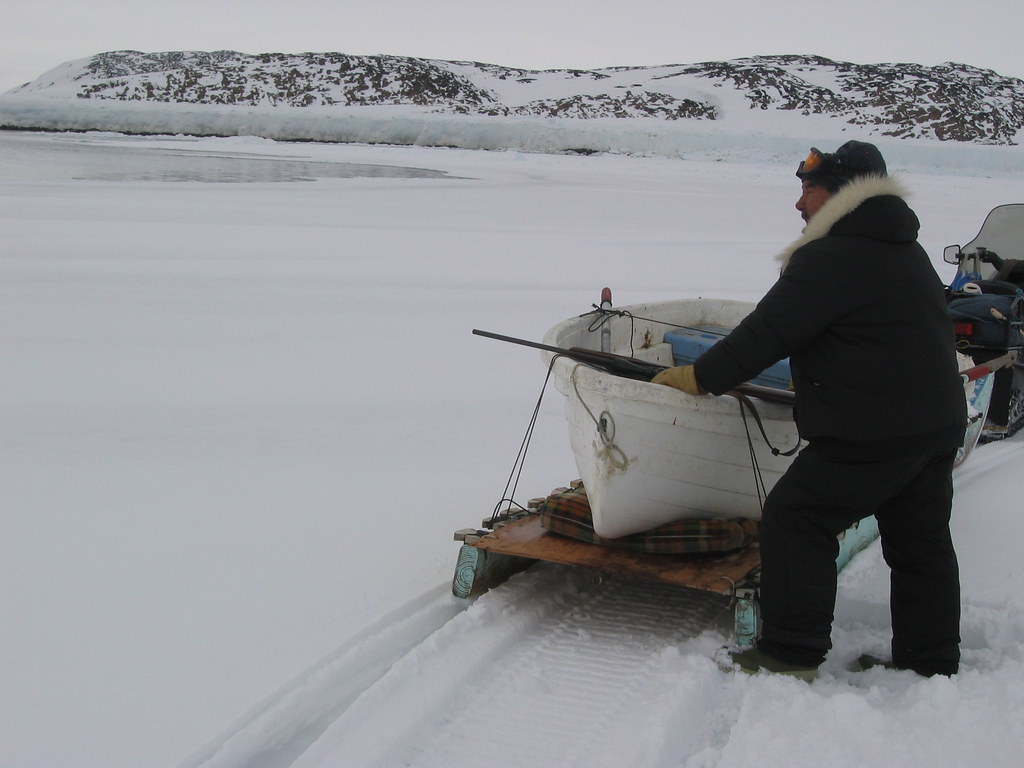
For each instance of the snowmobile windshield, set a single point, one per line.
(1002, 233)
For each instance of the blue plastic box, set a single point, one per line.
(690, 343)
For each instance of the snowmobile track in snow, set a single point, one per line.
(547, 670)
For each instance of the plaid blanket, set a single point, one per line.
(569, 514)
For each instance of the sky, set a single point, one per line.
(533, 34)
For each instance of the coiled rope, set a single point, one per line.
(605, 429)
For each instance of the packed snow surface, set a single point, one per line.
(243, 412)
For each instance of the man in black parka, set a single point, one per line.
(861, 314)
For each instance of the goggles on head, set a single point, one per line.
(853, 159)
(816, 161)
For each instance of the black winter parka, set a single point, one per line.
(861, 313)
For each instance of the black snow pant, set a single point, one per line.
(831, 485)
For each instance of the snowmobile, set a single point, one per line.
(985, 300)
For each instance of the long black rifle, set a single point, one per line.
(632, 368)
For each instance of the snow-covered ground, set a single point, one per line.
(242, 413)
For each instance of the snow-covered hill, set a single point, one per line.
(335, 96)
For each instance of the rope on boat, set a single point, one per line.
(745, 403)
(604, 315)
(517, 466)
(759, 486)
(605, 429)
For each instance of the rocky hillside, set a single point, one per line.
(949, 102)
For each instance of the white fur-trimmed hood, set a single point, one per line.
(843, 202)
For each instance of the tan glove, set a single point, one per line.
(681, 377)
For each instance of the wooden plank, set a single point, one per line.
(712, 573)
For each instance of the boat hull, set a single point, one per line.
(650, 454)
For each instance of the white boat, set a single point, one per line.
(650, 454)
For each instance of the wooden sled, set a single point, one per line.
(516, 540)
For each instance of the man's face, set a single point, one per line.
(812, 197)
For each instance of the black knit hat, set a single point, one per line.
(832, 171)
